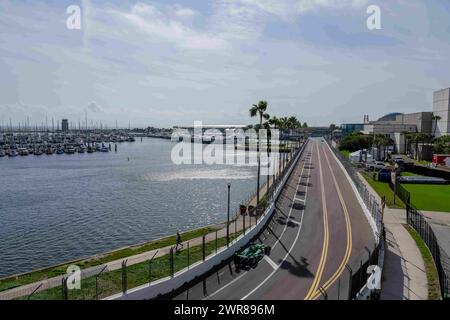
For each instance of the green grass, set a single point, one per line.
(383, 190)
(434, 292)
(39, 275)
(345, 153)
(429, 197)
(110, 283)
(409, 174)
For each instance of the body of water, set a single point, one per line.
(63, 207)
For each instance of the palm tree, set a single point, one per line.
(259, 110)
(405, 138)
(435, 119)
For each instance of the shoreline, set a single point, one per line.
(98, 256)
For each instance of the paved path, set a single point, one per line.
(404, 275)
(318, 226)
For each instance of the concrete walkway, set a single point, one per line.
(39, 286)
(404, 274)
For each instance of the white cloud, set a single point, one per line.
(161, 27)
(304, 6)
(185, 12)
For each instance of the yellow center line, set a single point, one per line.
(348, 249)
(323, 257)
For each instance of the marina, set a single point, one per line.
(13, 144)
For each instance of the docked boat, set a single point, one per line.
(2, 154)
(12, 153)
(60, 151)
(82, 149)
(49, 151)
(38, 152)
(70, 150)
(104, 149)
(24, 152)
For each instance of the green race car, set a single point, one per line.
(250, 256)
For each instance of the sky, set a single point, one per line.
(165, 63)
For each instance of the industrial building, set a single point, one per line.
(65, 125)
(395, 125)
(441, 107)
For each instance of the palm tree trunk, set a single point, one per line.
(259, 159)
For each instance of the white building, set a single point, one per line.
(441, 108)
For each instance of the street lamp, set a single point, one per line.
(228, 216)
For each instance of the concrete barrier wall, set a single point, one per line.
(169, 284)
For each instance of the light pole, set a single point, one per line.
(228, 216)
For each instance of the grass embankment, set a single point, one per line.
(434, 292)
(429, 197)
(383, 190)
(51, 272)
(110, 283)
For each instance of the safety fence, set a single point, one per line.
(442, 261)
(400, 192)
(120, 276)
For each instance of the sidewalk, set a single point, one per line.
(404, 275)
(26, 290)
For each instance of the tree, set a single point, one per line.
(255, 111)
(355, 141)
(305, 125)
(442, 145)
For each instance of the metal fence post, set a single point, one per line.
(188, 255)
(204, 247)
(124, 277)
(150, 267)
(172, 271)
(65, 291)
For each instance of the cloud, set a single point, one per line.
(94, 107)
(304, 6)
(159, 26)
(185, 12)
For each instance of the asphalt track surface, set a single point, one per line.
(317, 228)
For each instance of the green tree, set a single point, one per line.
(259, 110)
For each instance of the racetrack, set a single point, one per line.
(317, 228)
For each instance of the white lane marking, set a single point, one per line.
(225, 286)
(364, 208)
(271, 262)
(268, 232)
(295, 221)
(290, 249)
(301, 200)
(290, 210)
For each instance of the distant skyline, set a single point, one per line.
(166, 63)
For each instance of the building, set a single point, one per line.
(399, 122)
(65, 125)
(349, 128)
(441, 108)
